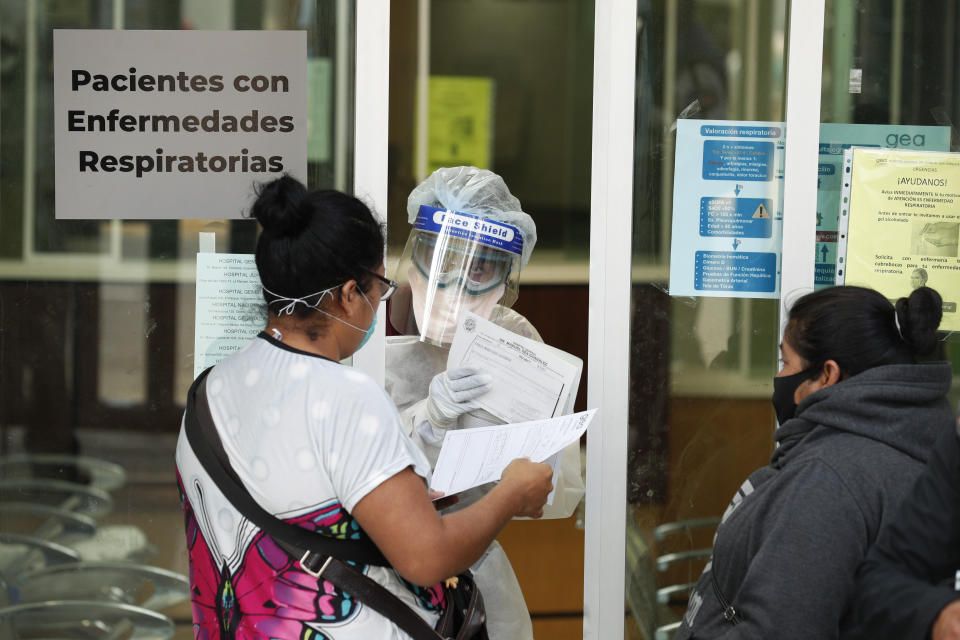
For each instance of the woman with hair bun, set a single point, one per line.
(860, 404)
(320, 445)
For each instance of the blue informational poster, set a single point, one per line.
(834, 140)
(727, 209)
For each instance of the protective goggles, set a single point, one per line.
(447, 261)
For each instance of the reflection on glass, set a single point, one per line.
(509, 91)
(886, 63)
(96, 322)
(701, 368)
(122, 370)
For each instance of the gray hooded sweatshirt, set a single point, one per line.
(786, 552)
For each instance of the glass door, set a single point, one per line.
(693, 417)
(506, 87)
(701, 366)
(695, 125)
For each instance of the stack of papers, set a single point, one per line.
(531, 380)
(533, 389)
(471, 457)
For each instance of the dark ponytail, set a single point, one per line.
(312, 241)
(918, 317)
(860, 329)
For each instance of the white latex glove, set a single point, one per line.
(452, 393)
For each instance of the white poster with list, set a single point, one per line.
(230, 307)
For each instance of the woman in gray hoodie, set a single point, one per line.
(858, 415)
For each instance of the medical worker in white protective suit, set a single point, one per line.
(469, 241)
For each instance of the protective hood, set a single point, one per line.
(475, 192)
(900, 405)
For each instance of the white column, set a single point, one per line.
(371, 97)
(341, 94)
(804, 60)
(421, 125)
(611, 220)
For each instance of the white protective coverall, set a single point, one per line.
(410, 366)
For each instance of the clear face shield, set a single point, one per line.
(454, 262)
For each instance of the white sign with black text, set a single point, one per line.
(175, 124)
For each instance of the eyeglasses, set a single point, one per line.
(391, 286)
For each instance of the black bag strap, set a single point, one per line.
(201, 433)
(730, 613)
(378, 598)
(320, 556)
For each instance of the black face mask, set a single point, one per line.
(783, 389)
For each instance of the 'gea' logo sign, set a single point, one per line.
(906, 140)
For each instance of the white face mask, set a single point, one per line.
(437, 314)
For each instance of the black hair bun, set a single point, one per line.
(919, 316)
(280, 207)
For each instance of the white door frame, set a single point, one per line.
(804, 76)
(610, 251)
(371, 117)
(611, 219)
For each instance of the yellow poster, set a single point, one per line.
(903, 224)
(461, 122)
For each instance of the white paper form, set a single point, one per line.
(230, 309)
(471, 457)
(531, 380)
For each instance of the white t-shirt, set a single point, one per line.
(308, 438)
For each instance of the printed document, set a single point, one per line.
(531, 380)
(902, 227)
(471, 457)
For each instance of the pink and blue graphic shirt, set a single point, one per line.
(309, 438)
